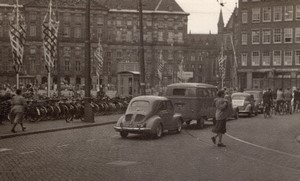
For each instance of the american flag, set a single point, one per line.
(17, 34)
(99, 59)
(50, 32)
(160, 66)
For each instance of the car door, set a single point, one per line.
(170, 115)
(164, 114)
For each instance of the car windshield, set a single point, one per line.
(143, 107)
(238, 97)
(255, 94)
(141, 104)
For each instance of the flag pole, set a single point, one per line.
(17, 67)
(98, 81)
(49, 67)
(49, 79)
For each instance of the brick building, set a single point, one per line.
(268, 43)
(116, 23)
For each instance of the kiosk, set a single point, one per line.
(128, 83)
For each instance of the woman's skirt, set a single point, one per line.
(16, 117)
(220, 126)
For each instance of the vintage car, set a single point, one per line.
(194, 101)
(244, 102)
(258, 97)
(150, 115)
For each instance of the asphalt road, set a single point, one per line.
(257, 149)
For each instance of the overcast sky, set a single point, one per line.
(204, 14)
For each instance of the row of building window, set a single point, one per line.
(285, 35)
(280, 13)
(128, 36)
(275, 58)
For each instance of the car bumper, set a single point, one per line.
(132, 130)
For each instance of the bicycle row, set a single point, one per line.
(55, 109)
(281, 108)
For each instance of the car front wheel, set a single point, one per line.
(123, 134)
(158, 131)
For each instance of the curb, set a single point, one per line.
(298, 139)
(55, 129)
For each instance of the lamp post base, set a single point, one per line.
(88, 111)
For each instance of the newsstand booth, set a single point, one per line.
(128, 83)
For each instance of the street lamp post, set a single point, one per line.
(141, 52)
(88, 111)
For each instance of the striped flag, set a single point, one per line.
(99, 59)
(222, 66)
(160, 66)
(17, 35)
(180, 69)
(50, 33)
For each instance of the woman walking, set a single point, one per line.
(222, 113)
(18, 104)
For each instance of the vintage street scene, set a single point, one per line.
(152, 90)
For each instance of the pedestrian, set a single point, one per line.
(222, 113)
(288, 99)
(16, 115)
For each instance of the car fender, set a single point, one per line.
(177, 116)
(248, 107)
(152, 122)
(120, 120)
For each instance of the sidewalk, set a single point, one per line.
(55, 125)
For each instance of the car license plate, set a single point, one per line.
(238, 102)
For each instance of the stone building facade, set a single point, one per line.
(116, 23)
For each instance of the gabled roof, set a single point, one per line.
(148, 5)
(11, 2)
(66, 3)
(151, 5)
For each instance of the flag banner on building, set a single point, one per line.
(17, 35)
(180, 70)
(99, 59)
(160, 65)
(50, 33)
(222, 66)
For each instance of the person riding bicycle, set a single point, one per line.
(267, 99)
(279, 98)
(296, 98)
(288, 98)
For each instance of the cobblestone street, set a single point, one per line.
(257, 149)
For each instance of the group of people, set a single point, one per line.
(291, 98)
(224, 108)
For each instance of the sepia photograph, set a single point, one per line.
(150, 90)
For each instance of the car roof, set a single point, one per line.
(149, 98)
(240, 94)
(253, 91)
(188, 85)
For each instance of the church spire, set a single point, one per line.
(220, 23)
